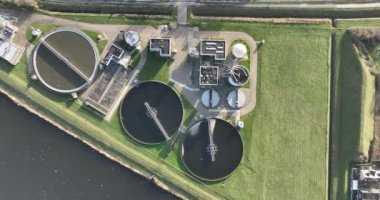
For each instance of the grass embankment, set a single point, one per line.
(286, 137)
(118, 19)
(355, 106)
(46, 28)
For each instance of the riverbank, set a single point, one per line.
(46, 163)
(16, 98)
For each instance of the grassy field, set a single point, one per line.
(286, 145)
(156, 68)
(285, 139)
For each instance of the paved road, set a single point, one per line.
(182, 14)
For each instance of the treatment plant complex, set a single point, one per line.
(65, 60)
(207, 107)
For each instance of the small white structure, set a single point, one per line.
(210, 98)
(125, 60)
(236, 99)
(74, 95)
(132, 38)
(240, 124)
(239, 50)
(34, 77)
(194, 53)
(36, 32)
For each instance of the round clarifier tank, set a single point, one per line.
(151, 112)
(236, 99)
(210, 98)
(65, 60)
(212, 149)
(239, 75)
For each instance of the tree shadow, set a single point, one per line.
(6, 67)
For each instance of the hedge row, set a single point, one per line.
(132, 8)
(272, 11)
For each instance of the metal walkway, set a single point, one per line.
(153, 115)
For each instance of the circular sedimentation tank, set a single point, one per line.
(151, 112)
(236, 99)
(210, 98)
(212, 149)
(65, 60)
(239, 76)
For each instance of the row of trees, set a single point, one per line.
(367, 35)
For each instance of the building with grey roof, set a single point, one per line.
(215, 48)
(161, 45)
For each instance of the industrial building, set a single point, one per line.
(114, 77)
(365, 182)
(215, 48)
(208, 75)
(161, 45)
(8, 50)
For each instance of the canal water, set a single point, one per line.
(38, 161)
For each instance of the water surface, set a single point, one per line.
(38, 161)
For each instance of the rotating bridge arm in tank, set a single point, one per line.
(211, 148)
(152, 113)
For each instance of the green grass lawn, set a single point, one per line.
(285, 138)
(45, 28)
(189, 111)
(156, 68)
(100, 44)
